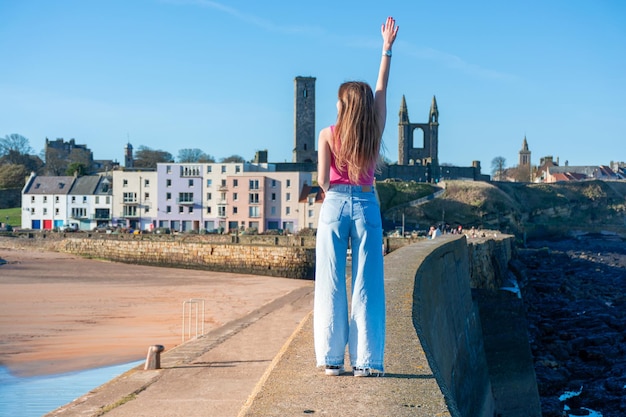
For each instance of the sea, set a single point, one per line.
(38, 395)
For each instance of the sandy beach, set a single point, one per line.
(61, 313)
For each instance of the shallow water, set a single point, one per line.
(36, 396)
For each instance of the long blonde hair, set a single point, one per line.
(357, 134)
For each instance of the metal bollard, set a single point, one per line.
(153, 360)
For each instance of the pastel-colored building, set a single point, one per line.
(311, 199)
(134, 199)
(265, 201)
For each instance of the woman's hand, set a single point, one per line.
(389, 31)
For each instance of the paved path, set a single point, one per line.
(209, 376)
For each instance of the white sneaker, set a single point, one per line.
(333, 370)
(359, 372)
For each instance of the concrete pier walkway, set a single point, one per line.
(263, 365)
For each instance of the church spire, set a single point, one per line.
(404, 112)
(433, 116)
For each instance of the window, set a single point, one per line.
(124, 183)
(208, 196)
(189, 210)
(32, 210)
(168, 209)
(185, 197)
(209, 183)
(222, 196)
(146, 196)
(168, 196)
(273, 211)
(189, 171)
(168, 183)
(130, 197)
(208, 210)
(254, 198)
(234, 210)
(84, 199)
(146, 183)
(221, 211)
(288, 183)
(181, 209)
(273, 183)
(79, 212)
(235, 183)
(223, 169)
(45, 198)
(56, 199)
(288, 196)
(56, 211)
(190, 183)
(288, 210)
(310, 213)
(237, 168)
(147, 210)
(168, 169)
(45, 211)
(235, 197)
(254, 184)
(273, 196)
(208, 169)
(32, 198)
(311, 200)
(223, 183)
(73, 199)
(108, 200)
(97, 200)
(130, 211)
(254, 211)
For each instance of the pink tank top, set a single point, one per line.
(341, 177)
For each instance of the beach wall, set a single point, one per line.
(267, 258)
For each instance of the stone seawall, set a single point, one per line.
(449, 328)
(196, 253)
(282, 256)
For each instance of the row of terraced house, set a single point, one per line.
(183, 197)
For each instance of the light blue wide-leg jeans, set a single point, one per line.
(349, 214)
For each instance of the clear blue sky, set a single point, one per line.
(218, 75)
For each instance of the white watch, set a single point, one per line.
(387, 52)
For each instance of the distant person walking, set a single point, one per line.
(348, 153)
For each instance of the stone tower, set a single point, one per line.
(427, 154)
(129, 162)
(524, 154)
(304, 120)
(524, 168)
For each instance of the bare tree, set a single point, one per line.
(233, 158)
(15, 142)
(497, 167)
(194, 155)
(149, 158)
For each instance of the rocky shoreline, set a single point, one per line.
(574, 292)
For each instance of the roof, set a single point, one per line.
(85, 185)
(50, 185)
(591, 171)
(569, 176)
(308, 190)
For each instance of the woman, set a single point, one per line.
(347, 156)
